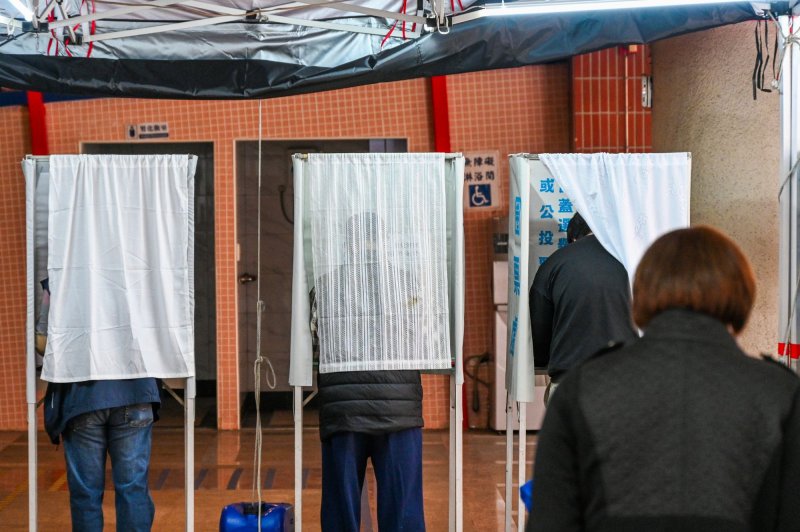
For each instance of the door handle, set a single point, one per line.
(247, 278)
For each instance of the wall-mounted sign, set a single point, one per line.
(480, 180)
(153, 130)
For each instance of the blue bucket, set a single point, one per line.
(243, 517)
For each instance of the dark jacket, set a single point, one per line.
(64, 401)
(680, 431)
(371, 402)
(580, 302)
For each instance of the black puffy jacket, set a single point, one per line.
(372, 402)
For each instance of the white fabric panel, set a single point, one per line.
(301, 365)
(301, 370)
(454, 177)
(380, 261)
(540, 213)
(519, 362)
(29, 170)
(378, 237)
(120, 262)
(628, 200)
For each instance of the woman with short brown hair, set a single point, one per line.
(680, 430)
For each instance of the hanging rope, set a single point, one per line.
(259, 358)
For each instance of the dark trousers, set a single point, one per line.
(397, 461)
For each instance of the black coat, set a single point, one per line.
(680, 431)
(371, 402)
(580, 302)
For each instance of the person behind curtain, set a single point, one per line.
(99, 419)
(579, 304)
(364, 415)
(679, 431)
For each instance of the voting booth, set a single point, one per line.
(112, 239)
(379, 239)
(628, 200)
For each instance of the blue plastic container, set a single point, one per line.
(243, 517)
(526, 494)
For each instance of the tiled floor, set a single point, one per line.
(224, 475)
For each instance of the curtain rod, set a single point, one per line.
(535, 156)
(447, 156)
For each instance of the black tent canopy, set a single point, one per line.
(256, 49)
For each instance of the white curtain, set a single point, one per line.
(120, 264)
(378, 238)
(628, 200)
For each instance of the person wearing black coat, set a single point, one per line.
(580, 302)
(679, 431)
(365, 415)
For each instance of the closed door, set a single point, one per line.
(277, 240)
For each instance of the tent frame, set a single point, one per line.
(789, 252)
(188, 403)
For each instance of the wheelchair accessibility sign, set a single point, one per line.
(480, 195)
(481, 177)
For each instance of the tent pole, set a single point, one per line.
(788, 237)
(459, 432)
(456, 457)
(298, 459)
(32, 467)
(509, 460)
(451, 462)
(189, 413)
(523, 436)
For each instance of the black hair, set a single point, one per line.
(577, 228)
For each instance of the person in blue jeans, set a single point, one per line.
(96, 419)
(99, 419)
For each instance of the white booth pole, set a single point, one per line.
(190, 392)
(789, 274)
(34, 168)
(30, 359)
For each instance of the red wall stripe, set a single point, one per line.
(38, 124)
(441, 115)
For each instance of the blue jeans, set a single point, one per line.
(125, 434)
(397, 461)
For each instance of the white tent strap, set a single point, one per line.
(112, 13)
(233, 15)
(225, 10)
(232, 18)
